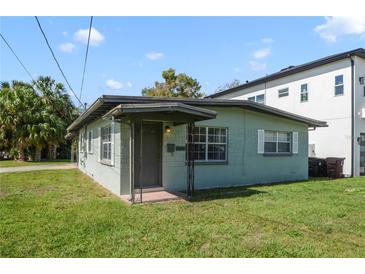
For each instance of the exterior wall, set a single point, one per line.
(107, 175)
(322, 104)
(245, 166)
(359, 105)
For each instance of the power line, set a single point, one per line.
(16, 56)
(54, 57)
(87, 51)
(28, 72)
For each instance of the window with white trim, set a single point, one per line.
(106, 143)
(260, 99)
(277, 142)
(339, 86)
(304, 93)
(82, 142)
(283, 92)
(210, 144)
(90, 142)
(252, 99)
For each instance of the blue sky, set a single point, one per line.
(129, 53)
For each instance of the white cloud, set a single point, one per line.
(64, 33)
(113, 84)
(96, 38)
(267, 40)
(337, 26)
(67, 47)
(129, 84)
(236, 69)
(257, 66)
(154, 56)
(261, 53)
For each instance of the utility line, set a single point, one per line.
(54, 57)
(28, 72)
(87, 51)
(16, 56)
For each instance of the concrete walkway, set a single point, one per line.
(37, 167)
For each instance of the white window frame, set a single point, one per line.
(283, 92)
(339, 85)
(252, 99)
(207, 143)
(255, 99)
(261, 102)
(82, 142)
(108, 142)
(290, 142)
(303, 93)
(90, 142)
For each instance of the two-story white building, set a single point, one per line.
(329, 89)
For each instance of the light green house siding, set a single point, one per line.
(107, 175)
(244, 166)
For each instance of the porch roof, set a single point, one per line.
(164, 111)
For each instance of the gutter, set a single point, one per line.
(352, 116)
(86, 113)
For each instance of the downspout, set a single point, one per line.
(352, 117)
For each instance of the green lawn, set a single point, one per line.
(64, 214)
(13, 163)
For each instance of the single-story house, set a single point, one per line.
(131, 142)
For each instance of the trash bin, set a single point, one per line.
(317, 167)
(335, 167)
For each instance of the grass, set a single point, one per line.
(13, 163)
(62, 213)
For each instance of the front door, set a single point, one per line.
(362, 154)
(150, 155)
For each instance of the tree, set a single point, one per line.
(234, 83)
(175, 85)
(34, 116)
(19, 105)
(58, 112)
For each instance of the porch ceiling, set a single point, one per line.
(162, 111)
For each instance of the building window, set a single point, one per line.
(304, 93)
(90, 142)
(339, 87)
(106, 143)
(283, 92)
(82, 142)
(364, 91)
(277, 142)
(210, 144)
(260, 99)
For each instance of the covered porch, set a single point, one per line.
(149, 124)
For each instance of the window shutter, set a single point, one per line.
(99, 144)
(113, 137)
(260, 141)
(295, 142)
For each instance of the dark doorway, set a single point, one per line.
(362, 154)
(149, 138)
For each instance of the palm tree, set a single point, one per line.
(59, 112)
(21, 107)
